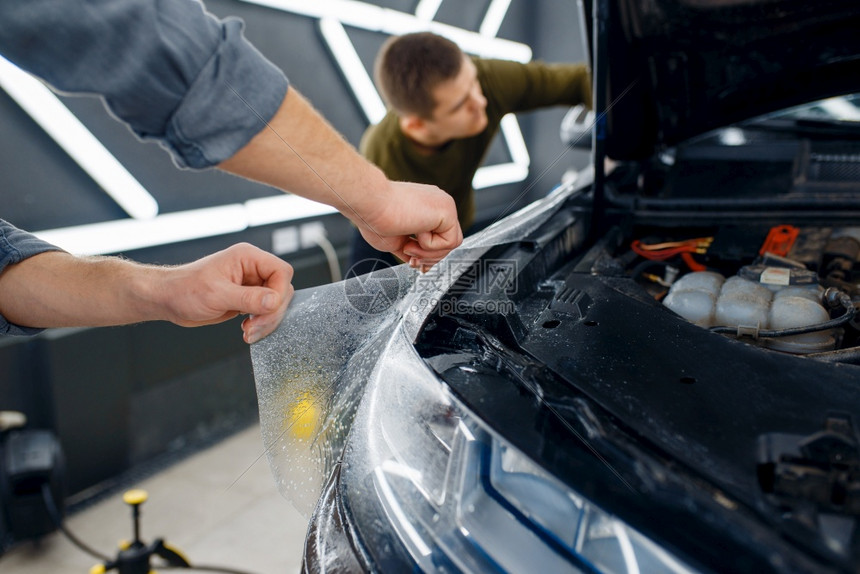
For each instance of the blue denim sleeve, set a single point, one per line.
(170, 70)
(15, 246)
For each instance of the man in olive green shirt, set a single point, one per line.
(444, 111)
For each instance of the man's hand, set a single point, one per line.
(56, 289)
(238, 280)
(417, 223)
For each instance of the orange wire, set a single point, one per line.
(667, 250)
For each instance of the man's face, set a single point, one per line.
(461, 108)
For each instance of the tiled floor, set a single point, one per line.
(219, 507)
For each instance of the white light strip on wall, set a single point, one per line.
(494, 17)
(483, 46)
(427, 9)
(280, 208)
(512, 172)
(77, 141)
(128, 234)
(353, 69)
(499, 174)
(373, 18)
(515, 141)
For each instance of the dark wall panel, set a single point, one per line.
(88, 376)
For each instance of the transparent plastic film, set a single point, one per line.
(311, 373)
(306, 404)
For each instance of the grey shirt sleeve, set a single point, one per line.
(170, 70)
(15, 246)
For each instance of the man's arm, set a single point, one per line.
(521, 87)
(299, 151)
(56, 289)
(177, 74)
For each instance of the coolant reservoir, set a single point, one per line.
(798, 308)
(706, 299)
(743, 302)
(694, 297)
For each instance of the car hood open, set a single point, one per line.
(679, 68)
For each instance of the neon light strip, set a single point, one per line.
(500, 174)
(353, 69)
(128, 234)
(376, 19)
(514, 138)
(426, 9)
(146, 228)
(511, 172)
(77, 141)
(494, 17)
(280, 208)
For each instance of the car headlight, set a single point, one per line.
(460, 497)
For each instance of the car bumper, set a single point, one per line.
(329, 544)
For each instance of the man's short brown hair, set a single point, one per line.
(410, 66)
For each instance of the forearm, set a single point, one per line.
(42, 286)
(56, 289)
(299, 152)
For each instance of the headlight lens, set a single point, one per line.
(461, 498)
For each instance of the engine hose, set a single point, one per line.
(843, 300)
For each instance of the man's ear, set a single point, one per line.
(413, 126)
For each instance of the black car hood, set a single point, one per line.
(678, 68)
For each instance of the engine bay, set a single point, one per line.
(790, 289)
(724, 346)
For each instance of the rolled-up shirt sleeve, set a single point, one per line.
(15, 246)
(170, 70)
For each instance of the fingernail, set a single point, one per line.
(249, 332)
(269, 301)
